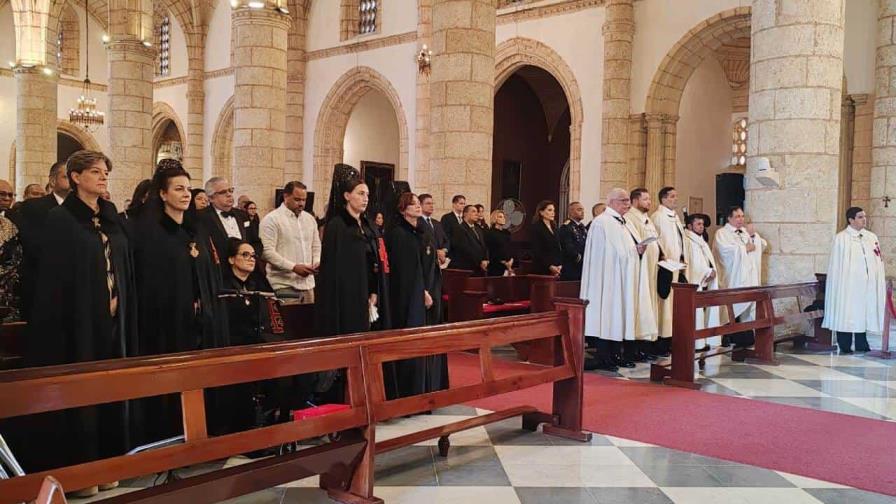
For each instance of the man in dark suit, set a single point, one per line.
(468, 250)
(222, 219)
(572, 235)
(29, 216)
(454, 219)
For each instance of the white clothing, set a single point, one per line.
(289, 239)
(701, 265)
(855, 291)
(231, 226)
(737, 267)
(608, 279)
(673, 245)
(641, 227)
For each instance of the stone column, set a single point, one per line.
(656, 153)
(422, 176)
(295, 96)
(129, 120)
(618, 32)
(462, 96)
(35, 124)
(670, 136)
(193, 150)
(797, 66)
(259, 104)
(883, 150)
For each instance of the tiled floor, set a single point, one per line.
(501, 464)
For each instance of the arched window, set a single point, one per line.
(164, 43)
(68, 42)
(360, 17)
(739, 143)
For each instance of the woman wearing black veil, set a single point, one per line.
(353, 287)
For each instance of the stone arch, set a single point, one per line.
(667, 86)
(329, 132)
(162, 115)
(222, 142)
(517, 52)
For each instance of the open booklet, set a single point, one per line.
(672, 265)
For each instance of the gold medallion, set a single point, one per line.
(194, 251)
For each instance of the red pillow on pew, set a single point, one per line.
(506, 307)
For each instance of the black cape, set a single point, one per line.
(71, 323)
(412, 260)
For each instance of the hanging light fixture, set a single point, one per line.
(86, 115)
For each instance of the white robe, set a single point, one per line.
(673, 245)
(855, 291)
(737, 267)
(641, 227)
(700, 265)
(608, 279)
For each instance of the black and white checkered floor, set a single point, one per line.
(501, 464)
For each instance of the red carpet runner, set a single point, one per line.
(845, 449)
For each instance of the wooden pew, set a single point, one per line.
(684, 333)
(346, 466)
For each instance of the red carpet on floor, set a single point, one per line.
(844, 449)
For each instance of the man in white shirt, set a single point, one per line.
(738, 248)
(291, 246)
(855, 292)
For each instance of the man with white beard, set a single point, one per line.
(672, 245)
(855, 290)
(702, 271)
(738, 249)
(642, 228)
(609, 274)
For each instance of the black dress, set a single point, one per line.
(545, 249)
(498, 243)
(72, 323)
(413, 268)
(178, 283)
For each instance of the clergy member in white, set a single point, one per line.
(702, 271)
(672, 245)
(638, 222)
(609, 282)
(738, 250)
(855, 291)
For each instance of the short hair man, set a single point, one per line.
(855, 292)
(291, 246)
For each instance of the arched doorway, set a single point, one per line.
(333, 120)
(531, 145)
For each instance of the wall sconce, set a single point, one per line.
(424, 60)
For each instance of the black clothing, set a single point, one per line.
(178, 282)
(450, 223)
(468, 248)
(349, 272)
(497, 241)
(572, 236)
(412, 260)
(73, 322)
(545, 249)
(29, 216)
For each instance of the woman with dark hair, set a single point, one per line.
(546, 254)
(178, 280)
(254, 221)
(412, 261)
(200, 199)
(85, 310)
(497, 241)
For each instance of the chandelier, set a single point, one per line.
(86, 115)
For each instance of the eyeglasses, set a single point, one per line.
(246, 255)
(4, 194)
(222, 192)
